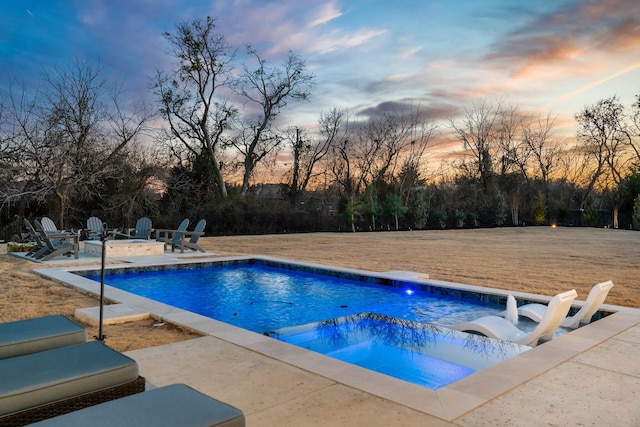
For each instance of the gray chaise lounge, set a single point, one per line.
(42, 333)
(42, 385)
(173, 405)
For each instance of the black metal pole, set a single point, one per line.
(103, 238)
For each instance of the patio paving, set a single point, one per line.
(269, 392)
(600, 386)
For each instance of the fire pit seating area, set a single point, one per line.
(54, 372)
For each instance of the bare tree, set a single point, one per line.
(190, 96)
(509, 147)
(70, 134)
(414, 156)
(341, 167)
(634, 131)
(19, 126)
(269, 89)
(477, 131)
(252, 152)
(378, 149)
(9, 157)
(540, 146)
(397, 138)
(309, 150)
(130, 193)
(602, 135)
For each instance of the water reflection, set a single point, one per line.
(333, 335)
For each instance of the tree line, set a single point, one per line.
(208, 145)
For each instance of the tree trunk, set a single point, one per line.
(250, 161)
(220, 181)
(61, 209)
(514, 215)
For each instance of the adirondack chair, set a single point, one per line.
(143, 228)
(48, 225)
(95, 228)
(167, 235)
(57, 243)
(142, 231)
(188, 239)
(41, 247)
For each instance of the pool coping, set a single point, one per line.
(448, 403)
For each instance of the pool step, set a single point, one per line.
(111, 314)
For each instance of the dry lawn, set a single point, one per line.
(530, 259)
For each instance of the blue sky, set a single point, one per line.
(367, 55)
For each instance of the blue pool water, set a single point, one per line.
(393, 327)
(262, 298)
(420, 353)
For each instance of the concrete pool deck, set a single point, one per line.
(587, 377)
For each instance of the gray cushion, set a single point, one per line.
(39, 334)
(174, 405)
(48, 376)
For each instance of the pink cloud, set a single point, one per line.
(571, 41)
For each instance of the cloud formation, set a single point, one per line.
(368, 57)
(569, 41)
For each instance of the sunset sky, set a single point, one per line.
(369, 56)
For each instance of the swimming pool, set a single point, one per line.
(275, 298)
(262, 296)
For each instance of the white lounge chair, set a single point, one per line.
(596, 297)
(498, 327)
